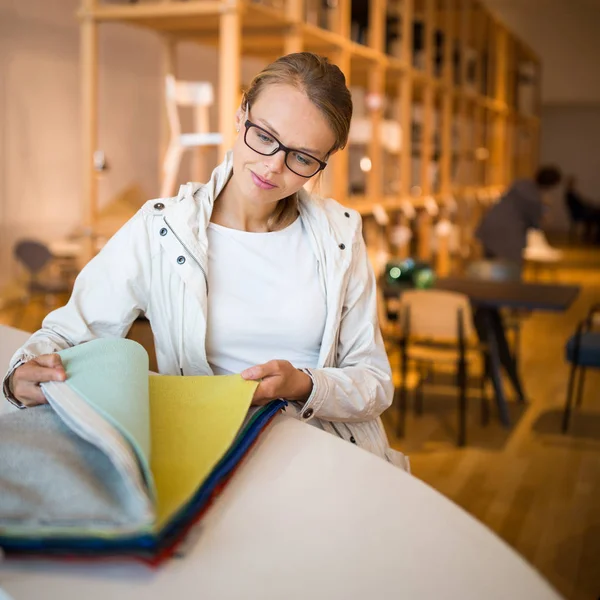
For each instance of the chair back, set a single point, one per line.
(436, 315)
(33, 255)
(196, 94)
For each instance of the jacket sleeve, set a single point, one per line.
(360, 387)
(108, 295)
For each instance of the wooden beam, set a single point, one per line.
(407, 32)
(155, 10)
(374, 177)
(229, 75)
(465, 37)
(447, 99)
(405, 91)
(169, 67)
(450, 35)
(446, 157)
(293, 41)
(89, 126)
(344, 14)
(340, 158)
(377, 25)
(429, 33)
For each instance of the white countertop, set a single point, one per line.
(306, 516)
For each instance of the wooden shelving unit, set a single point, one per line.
(462, 90)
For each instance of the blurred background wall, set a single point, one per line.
(565, 34)
(40, 134)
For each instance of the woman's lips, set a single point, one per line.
(261, 183)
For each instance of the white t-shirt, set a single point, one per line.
(265, 300)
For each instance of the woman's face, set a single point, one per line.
(292, 119)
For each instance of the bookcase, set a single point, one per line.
(446, 98)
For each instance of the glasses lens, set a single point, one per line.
(260, 141)
(301, 164)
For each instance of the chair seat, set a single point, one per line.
(589, 350)
(443, 360)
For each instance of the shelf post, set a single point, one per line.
(229, 72)
(89, 124)
(293, 40)
(424, 239)
(340, 159)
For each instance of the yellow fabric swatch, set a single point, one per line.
(193, 422)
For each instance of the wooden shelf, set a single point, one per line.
(463, 107)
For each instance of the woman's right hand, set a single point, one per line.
(25, 381)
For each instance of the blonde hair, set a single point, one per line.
(325, 85)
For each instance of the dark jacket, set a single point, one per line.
(503, 229)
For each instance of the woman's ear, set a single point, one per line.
(239, 117)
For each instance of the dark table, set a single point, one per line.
(512, 294)
(488, 294)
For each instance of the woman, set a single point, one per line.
(247, 273)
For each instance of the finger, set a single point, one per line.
(261, 371)
(261, 395)
(267, 390)
(30, 394)
(49, 360)
(34, 373)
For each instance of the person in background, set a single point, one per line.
(582, 210)
(503, 229)
(503, 235)
(247, 273)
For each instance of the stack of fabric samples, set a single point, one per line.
(120, 463)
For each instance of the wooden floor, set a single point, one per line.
(537, 489)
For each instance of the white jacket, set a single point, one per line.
(156, 265)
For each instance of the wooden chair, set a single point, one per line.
(438, 333)
(410, 381)
(583, 352)
(200, 96)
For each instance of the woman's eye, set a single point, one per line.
(304, 160)
(263, 137)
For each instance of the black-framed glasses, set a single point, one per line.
(262, 142)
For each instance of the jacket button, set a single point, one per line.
(352, 439)
(342, 246)
(346, 214)
(308, 413)
(159, 206)
(163, 231)
(180, 259)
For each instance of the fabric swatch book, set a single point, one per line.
(120, 462)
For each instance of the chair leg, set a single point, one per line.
(581, 383)
(400, 426)
(485, 406)
(567, 413)
(462, 405)
(419, 394)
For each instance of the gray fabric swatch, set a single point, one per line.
(49, 477)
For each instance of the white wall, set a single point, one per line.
(566, 35)
(571, 139)
(40, 133)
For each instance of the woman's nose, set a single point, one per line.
(275, 163)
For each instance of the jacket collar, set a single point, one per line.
(324, 219)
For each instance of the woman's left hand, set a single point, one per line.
(278, 379)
